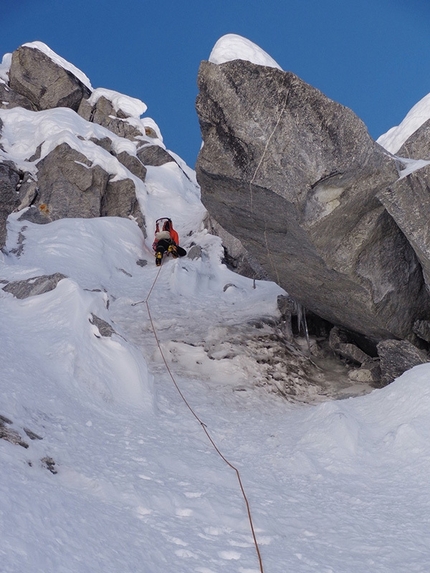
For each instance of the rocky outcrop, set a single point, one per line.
(9, 180)
(295, 177)
(11, 99)
(119, 200)
(43, 82)
(34, 286)
(103, 113)
(70, 186)
(154, 155)
(65, 182)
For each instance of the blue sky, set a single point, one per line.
(370, 55)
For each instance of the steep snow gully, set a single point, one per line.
(111, 472)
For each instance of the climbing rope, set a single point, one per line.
(202, 424)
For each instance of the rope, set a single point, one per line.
(284, 107)
(203, 425)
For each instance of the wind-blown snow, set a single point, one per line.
(5, 67)
(395, 137)
(341, 486)
(132, 106)
(24, 131)
(234, 47)
(60, 61)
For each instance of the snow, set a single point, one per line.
(5, 67)
(24, 131)
(395, 137)
(334, 486)
(132, 106)
(60, 61)
(234, 47)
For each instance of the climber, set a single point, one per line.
(166, 240)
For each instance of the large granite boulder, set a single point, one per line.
(43, 82)
(295, 177)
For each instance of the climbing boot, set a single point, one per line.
(158, 258)
(172, 250)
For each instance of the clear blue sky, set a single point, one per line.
(370, 55)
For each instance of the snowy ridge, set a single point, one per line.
(117, 476)
(60, 61)
(234, 47)
(395, 137)
(130, 105)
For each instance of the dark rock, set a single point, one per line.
(236, 257)
(369, 372)
(422, 329)
(343, 346)
(68, 186)
(408, 202)
(417, 145)
(9, 197)
(154, 155)
(133, 164)
(105, 143)
(34, 286)
(120, 200)
(49, 464)
(104, 327)
(32, 435)
(27, 192)
(295, 177)
(11, 435)
(103, 113)
(43, 82)
(10, 99)
(398, 356)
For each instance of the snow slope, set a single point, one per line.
(395, 137)
(123, 477)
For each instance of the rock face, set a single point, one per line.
(64, 182)
(407, 201)
(103, 113)
(43, 82)
(9, 179)
(295, 177)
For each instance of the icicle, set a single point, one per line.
(302, 324)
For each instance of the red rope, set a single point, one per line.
(203, 425)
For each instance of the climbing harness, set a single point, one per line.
(202, 424)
